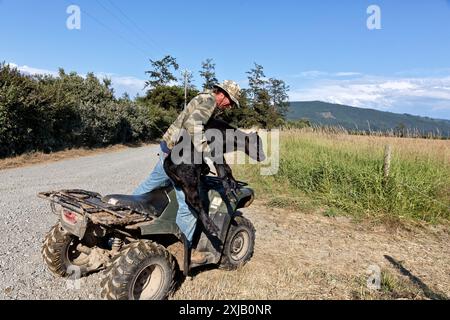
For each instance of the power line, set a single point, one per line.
(114, 32)
(126, 26)
(145, 37)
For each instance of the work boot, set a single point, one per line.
(197, 257)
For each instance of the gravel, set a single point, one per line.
(26, 218)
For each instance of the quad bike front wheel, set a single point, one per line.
(239, 245)
(61, 255)
(142, 271)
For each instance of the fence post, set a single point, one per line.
(387, 161)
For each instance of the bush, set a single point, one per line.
(47, 113)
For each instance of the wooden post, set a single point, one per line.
(387, 160)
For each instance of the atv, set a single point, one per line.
(136, 240)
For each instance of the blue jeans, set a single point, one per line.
(186, 221)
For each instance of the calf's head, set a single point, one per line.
(254, 147)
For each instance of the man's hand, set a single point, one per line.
(231, 188)
(233, 184)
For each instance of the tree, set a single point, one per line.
(162, 75)
(168, 97)
(208, 73)
(243, 117)
(256, 81)
(268, 98)
(162, 93)
(259, 95)
(278, 92)
(48, 113)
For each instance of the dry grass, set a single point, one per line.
(406, 148)
(40, 157)
(310, 256)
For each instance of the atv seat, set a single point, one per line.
(153, 203)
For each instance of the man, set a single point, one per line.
(197, 113)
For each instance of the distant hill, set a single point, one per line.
(362, 119)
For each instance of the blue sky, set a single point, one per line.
(322, 49)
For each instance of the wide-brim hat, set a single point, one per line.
(232, 89)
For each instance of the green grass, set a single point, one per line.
(344, 174)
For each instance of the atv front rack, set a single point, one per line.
(91, 205)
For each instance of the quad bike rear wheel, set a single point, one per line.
(61, 255)
(240, 244)
(142, 271)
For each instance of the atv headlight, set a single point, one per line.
(249, 200)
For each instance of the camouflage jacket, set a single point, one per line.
(193, 118)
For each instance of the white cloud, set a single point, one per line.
(131, 85)
(315, 74)
(347, 74)
(174, 83)
(136, 83)
(423, 96)
(31, 71)
(121, 84)
(310, 74)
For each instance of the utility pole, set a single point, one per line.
(186, 73)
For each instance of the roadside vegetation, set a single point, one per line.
(344, 174)
(49, 113)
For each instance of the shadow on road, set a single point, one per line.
(416, 281)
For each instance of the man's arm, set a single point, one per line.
(224, 172)
(195, 123)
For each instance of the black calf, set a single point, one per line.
(187, 174)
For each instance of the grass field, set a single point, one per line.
(344, 174)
